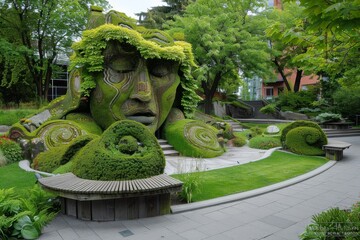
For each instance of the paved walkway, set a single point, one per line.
(282, 214)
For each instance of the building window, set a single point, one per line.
(269, 92)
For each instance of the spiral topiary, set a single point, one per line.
(194, 138)
(50, 160)
(126, 150)
(59, 132)
(301, 123)
(305, 141)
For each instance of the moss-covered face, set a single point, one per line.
(132, 87)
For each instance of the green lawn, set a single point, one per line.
(13, 176)
(278, 167)
(9, 117)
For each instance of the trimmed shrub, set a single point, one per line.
(305, 141)
(11, 150)
(238, 141)
(255, 131)
(104, 158)
(194, 138)
(52, 159)
(301, 123)
(228, 131)
(260, 142)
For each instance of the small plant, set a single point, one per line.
(255, 131)
(334, 224)
(23, 218)
(260, 142)
(268, 109)
(191, 184)
(238, 141)
(11, 150)
(328, 117)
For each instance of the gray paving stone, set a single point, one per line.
(50, 236)
(183, 226)
(68, 234)
(277, 221)
(259, 201)
(214, 228)
(193, 235)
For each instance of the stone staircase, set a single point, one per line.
(235, 125)
(342, 132)
(167, 148)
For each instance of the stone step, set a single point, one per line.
(168, 150)
(166, 147)
(171, 152)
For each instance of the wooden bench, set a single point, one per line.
(334, 149)
(112, 200)
(337, 125)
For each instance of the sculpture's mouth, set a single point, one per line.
(145, 118)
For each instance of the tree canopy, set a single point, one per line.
(227, 41)
(335, 54)
(34, 33)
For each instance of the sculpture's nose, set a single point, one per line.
(142, 89)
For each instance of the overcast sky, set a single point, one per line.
(130, 7)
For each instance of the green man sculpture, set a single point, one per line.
(120, 71)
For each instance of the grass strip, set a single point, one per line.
(12, 176)
(278, 167)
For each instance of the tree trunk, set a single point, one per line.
(281, 71)
(47, 80)
(298, 80)
(209, 92)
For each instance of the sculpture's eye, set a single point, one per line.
(123, 65)
(161, 68)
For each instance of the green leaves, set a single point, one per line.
(23, 218)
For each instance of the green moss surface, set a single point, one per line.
(194, 138)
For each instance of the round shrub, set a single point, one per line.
(301, 124)
(104, 158)
(11, 150)
(194, 138)
(228, 131)
(260, 142)
(128, 145)
(305, 141)
(255, 131)
(238, 141)
(53, 158)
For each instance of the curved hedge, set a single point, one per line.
(194, 138)
(301, 123)
(108, 158)
(305, 141)
(50, 160)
